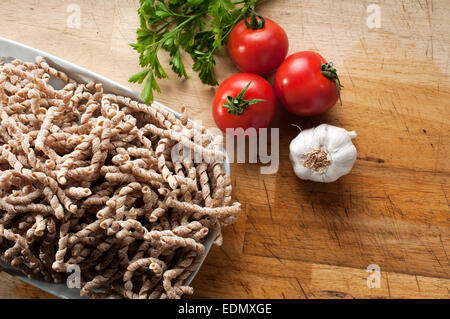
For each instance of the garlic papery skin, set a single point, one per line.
(323, 153)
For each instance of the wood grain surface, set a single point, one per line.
(297, 239)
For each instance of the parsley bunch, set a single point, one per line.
(198, 27)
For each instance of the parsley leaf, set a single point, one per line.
(197, 27)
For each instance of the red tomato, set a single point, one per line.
(306, 84)
(258, 51)
(236, 107)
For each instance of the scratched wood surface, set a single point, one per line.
(297, 239)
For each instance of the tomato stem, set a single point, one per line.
(237, 105)
(256, 21)
(330, 72)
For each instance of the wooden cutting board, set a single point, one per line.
(297, 239)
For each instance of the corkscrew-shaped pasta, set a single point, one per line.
(104, 183)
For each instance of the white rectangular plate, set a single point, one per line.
(10, 50)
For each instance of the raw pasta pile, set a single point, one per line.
(90, 179)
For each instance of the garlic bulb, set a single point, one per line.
(323, 154)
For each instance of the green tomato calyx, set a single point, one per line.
(330, 72)
(237, 105)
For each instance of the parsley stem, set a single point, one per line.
(178, 27)
(163, 27)
(199, 28)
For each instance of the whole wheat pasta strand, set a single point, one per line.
(99, 181)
